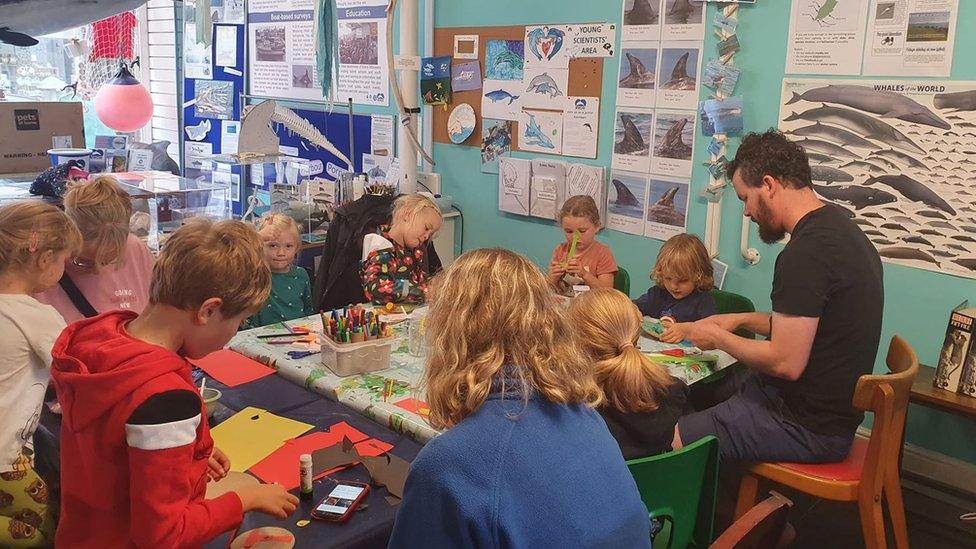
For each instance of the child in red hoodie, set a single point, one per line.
(136, 451)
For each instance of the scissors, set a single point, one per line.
(300, 354)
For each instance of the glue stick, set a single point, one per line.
(305, 473)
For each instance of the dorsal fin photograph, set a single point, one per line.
(502, 274)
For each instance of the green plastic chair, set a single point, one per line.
(678, 488)
(621, 281)
(728, 302)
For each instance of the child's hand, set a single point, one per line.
(675, 332)
(218, 465)
(574, 268)
(556, 270)
(270, 499)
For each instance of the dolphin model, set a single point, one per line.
(829, 174)
(624, 196)
(834, 135)
(679, 76)
(544, 84)
(860, 123)
(663, 211)
(23, 20)
(902, 252)
(859, 197)
(639, 77)
(913, 190)
(885, 103)
(960, 101)
(641, 13)
(671, 145)
(534, 135)
(633, 141)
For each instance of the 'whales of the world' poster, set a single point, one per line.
(899, 157)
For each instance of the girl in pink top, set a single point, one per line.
(114, 267)
(588, 262)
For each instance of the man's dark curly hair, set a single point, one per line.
(770, 153)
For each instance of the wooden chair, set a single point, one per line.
(761, 527)
(871, 469)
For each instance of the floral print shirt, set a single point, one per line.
(396, 274)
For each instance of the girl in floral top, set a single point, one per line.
(394, 268)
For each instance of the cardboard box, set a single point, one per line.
(955, 348)
(29, 129)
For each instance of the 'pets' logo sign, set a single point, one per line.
(27, 119)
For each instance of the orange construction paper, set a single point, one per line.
(232, 369)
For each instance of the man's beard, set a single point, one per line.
(767, 232)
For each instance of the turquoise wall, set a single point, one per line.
(917, 302)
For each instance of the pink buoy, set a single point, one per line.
(124, 104)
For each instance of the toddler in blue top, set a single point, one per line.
(682, 279)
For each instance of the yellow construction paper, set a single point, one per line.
(253, 434)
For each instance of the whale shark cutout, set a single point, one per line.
(639, 76)
(624, 196)
(633, 141)
(641, 13)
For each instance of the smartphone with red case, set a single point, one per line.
(341, 502)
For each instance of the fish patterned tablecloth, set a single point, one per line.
(375, 395)
(392, 397)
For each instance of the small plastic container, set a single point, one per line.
(210, 398)
(347, 359)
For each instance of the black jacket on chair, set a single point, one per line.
(337, 279)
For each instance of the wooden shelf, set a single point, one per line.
(923, 392)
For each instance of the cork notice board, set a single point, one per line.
(585, 77)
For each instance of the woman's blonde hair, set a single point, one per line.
(101, 209)
(607, 326)
(492, 319)
(409, 206)
(684, 256)
(29, 228)
(279, 222)
(581, 205)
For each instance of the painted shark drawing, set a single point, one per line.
(535, 137)
(501, 95)
(23, 20)
(860, 123)
(680, 80)
(913, 190)
(639, 77)
(641, 13)
(671, 145)
(885, 103)
(544, 84)
(663, 211)
(624, 196)
(632, 142)
(958, 101)
(856, 196)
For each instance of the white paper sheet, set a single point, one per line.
(683, 20)
(548, 187)
(281, 51)
(674, 142)
(910, 37)
(229, 133)
(544, 88)
(581, 127)
(583, 179)
(627, 201)
(225, 39)
(363, 73)
(667, 207)
(502, 99)
(679, 65)
(826, 37)
(381, 136)
(641, 20)
(632, 139)
(547, 46)
(637, 76)
(514, 176)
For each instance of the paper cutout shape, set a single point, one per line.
(334, 457)
(266, 537)
(466, 76)
(385, 469)
(253, 434)
(461, 123)
(231, 368)
(233, 481)
(282, 465)
(418, 407)
(373, 447)
(388, 470)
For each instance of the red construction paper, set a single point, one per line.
(418, 407)
(282, 465)
(232, 369)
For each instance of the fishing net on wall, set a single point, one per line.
(109, 43)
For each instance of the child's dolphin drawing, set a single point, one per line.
(534, 135)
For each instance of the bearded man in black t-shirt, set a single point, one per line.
(824, 330)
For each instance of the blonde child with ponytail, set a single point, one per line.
(36, 239)
(642, 401)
